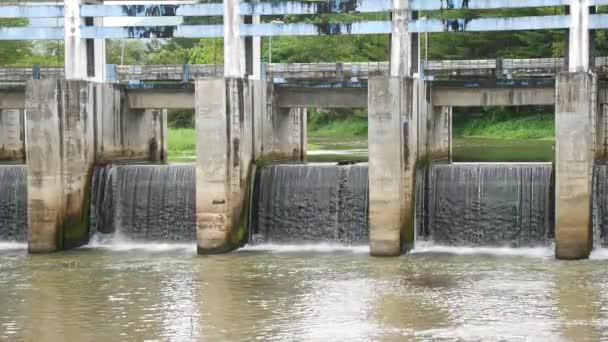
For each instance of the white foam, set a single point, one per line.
(308, 248)
(12, 245)
(599, 254)
(121, 244)
(536, 252)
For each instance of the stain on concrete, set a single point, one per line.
(149, 10)
(151, 31)
(333, 28)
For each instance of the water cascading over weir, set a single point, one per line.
(485, 204)
(144, 202)
(322, 203)
(13, 203)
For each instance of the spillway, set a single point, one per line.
(485, 204)
(314, 203)
(13, 203)
(144, 202)
(600, 205)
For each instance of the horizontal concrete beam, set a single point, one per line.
(36, 11)
(31, 33)
(293, 97)
(483, 4)
(217, 9)
(598, 21)
(157, 99)
(480, 97)
(12, 99)
(491, 24)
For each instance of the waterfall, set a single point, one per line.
(600, 205)
(144, 202)
(310, 203)
(13, 203)
(485, 204)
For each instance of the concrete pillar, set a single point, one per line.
(84, 59)
(392, 156)
(400, 60)
(128, 134)
(279, 133)
(223, 166)
(12, 135)
(60, 150)
(573, 162)
(440, 133)
(234, 52)
(579, 45)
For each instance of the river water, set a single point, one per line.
(136, 292)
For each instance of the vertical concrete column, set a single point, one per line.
(234, 52)
(84, 59)
(392, 157)
(400, 62)
(60, 149)
(574, 161)
(579, 45)
(440, 133)
(223, 164)
(12, 135)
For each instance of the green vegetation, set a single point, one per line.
(504, 125)
(181, 143)
(343, 123)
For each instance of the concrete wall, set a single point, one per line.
(574, 122)
(12, 99)
(296, 97)
(165, 98)
(279, 133)
(60, 120)
(440, 133)
(601, 124)
(480, 97)
(224, 153)
(392, 156)
(12, 135)
(128, 134)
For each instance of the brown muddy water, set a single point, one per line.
(165, 292)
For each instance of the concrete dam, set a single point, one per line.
(456, 204)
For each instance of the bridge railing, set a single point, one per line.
(501, 68)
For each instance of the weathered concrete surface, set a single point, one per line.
(392, 156)
(296, 97)
(400, 59)
(601, 123)
(440, 133)
(480, 97)
(128, 134)
(12, 135)
(12, 99)
(574, 161)
(224, 154)
(60, 120)
(162, 98)
(279, 133)
(76, 48)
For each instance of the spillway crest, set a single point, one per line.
(141, 202)
(485, 204)
(13, 203)
(310, 203)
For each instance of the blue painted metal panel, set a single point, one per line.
(37, 11)
(598, 21)
(483, 4)
(150, 10)
(362, 27)
(598, 2)
(184, 31)
(316, 7)
(490, 24)
(31, 33)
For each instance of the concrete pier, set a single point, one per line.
(123, 133)
(392, 156)
(223, 170)
(12, 135)
(60, 150)
(574, 155)
(440, 133)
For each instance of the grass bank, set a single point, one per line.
(531, 126)
(181, 143)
